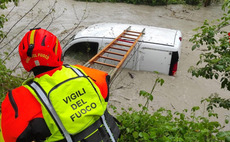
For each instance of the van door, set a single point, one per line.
(152, 59)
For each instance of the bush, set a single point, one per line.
(7, 81)
(144, 2)
(165, 126)
(192, 2)
(159, 2)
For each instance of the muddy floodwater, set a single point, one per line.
(178, 92)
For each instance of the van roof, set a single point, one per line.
(112, 30)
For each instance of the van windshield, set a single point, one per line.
(80, 53)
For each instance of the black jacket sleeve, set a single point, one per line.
(37, 130)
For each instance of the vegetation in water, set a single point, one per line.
(157, 2)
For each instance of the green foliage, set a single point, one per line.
(215, 62)
(2, 21)
(159, 2)
(165, 126)
(192, 2)
(7, 81)
(214, 101)
(144, 2)
(2, 16)
(4, 2)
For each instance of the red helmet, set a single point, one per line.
(39, 47)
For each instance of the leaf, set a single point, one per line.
(143, 93)
(145, 108)
(219, 67)
(128, 130)
(223, 134)
(227, 69)
(194, 47)
(152, 134)
(136, 118)
(216, 76)
(214, 61)
(226, 121)
(140, 105)
(224, 82)
(162, 82)
(130, 108)
(145, 136)
(6, 53)
(151, 97)
(195, 108)
(227, 139)
(135, 134)
(141, 134)
(182, 116)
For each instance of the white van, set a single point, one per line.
(159, 49)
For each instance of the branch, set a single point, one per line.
(10, 12)
(17, 35)
(55, 18)
(50, 11)
(19, 21)
(81, 20)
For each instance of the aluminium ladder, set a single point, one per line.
(117, 51)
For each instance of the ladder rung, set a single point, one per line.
(128, 37)
(118, 48)
(133, 32)
(130, 34)
(122, 44)
(110, 58)
(114, 53)
(105, 64)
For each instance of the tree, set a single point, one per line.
(3, 19)
(6, 80)
(214, 62)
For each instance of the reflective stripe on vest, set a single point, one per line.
(107, 128)
(51, 110)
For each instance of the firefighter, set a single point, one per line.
(62, 103)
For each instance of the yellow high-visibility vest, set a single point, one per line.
(76, 99)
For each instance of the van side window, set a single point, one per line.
(81, 52)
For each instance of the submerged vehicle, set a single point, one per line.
(159, 49)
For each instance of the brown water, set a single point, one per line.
(179, 92)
